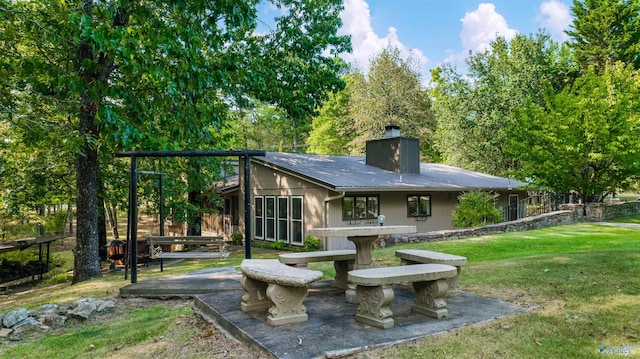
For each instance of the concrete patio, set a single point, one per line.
(331, 330)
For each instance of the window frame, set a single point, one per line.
(260, 217)
(419, 206)
(273, 217)
(366, 208)
(298, 221)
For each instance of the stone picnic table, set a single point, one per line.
(363, 238)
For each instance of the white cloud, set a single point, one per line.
(479, 28)
(356, 21)
(482, 26)
(555, 17)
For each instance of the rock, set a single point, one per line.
(44, 310)
(53, 320)
(48, 314)
(5, 332)
(27, 325)
(83, 308)
(12, 318)
(105, 304)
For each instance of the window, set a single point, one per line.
(296, 220)
(258, 217)
(418, 205)
(279, 218)
(270, 214)
(283, 219)
(360, 207)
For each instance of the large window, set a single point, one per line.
(283, 218)
(258, 217)
(279, 218)
(270, 212)
(296, 220)
(419, 205)
(360, 207)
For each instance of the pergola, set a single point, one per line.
(133, 193)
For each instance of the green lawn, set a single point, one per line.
(582, 279)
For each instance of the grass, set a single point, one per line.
(583, 281)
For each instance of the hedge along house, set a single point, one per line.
(292, 192)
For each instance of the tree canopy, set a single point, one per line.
(583, 139)
(123, 75)
(604, 32)
(474, 111)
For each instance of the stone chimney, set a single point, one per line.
(394, 152)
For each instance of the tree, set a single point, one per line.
(605, 31)
(263, 127)
(300, 61)
(390, 94)
(584, 139)
(331, 134)
(473, 110)
(124, 75)
(476, 208)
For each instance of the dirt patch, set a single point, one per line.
(203, 338)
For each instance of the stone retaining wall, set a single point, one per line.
(569, 213)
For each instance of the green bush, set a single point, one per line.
(278, 245)
(236, 239)
(476, 208)
(311, 243)
(23, 256)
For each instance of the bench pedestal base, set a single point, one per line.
(284, 302)
(430, 298)
(287, 305)
(374, 302)
(255, 295)
(373, 308)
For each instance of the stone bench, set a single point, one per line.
(418, 256)
(269, 284)
(374, 292)
(343, 261)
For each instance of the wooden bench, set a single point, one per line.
(267, 283)
(212, 242)
(343, 261)
(418, 256)
(374, 292)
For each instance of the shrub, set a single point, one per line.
(236, 239)
(476, 208)
(311, 243)
(278, 245)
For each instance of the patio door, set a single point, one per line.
(513, 207)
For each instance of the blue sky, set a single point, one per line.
(435, 31)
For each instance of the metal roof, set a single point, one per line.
(350, 173)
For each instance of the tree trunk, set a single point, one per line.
(194, 225)
(87, 261)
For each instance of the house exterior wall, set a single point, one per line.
(323, 207)
(268, 182)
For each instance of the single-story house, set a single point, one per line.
(293, 192)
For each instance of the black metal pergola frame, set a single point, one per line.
(133, 193)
